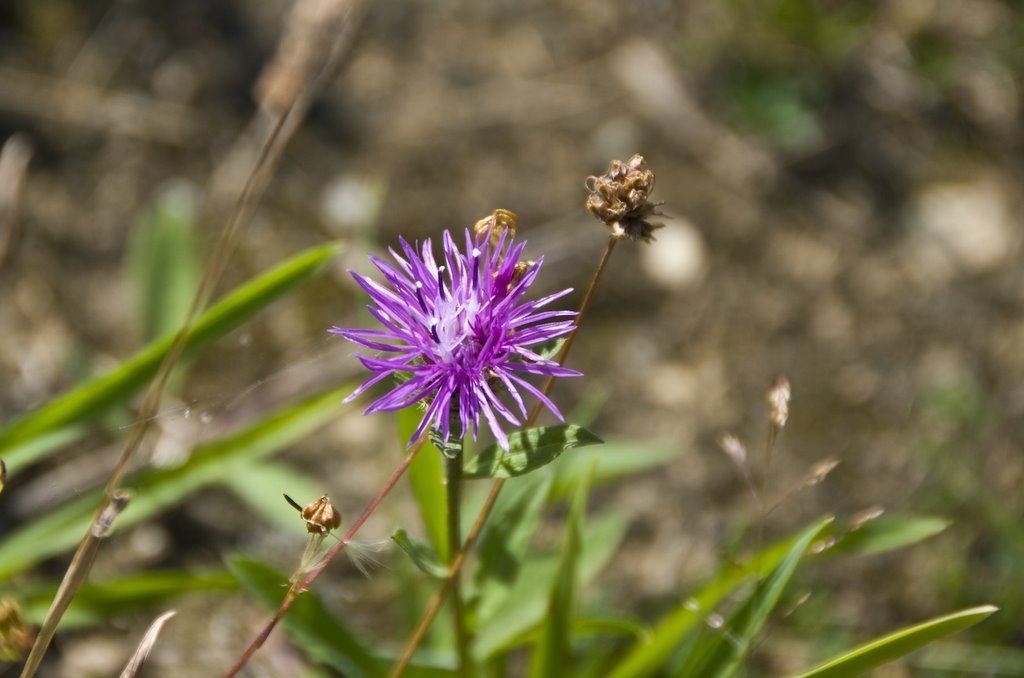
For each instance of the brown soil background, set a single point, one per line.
(842, 184)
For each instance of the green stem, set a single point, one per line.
(453, 485)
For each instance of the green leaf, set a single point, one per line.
(308, 623)
(887, 533)
(650, 655)
(88, 401)
(528, 451)
(164, 262)
(262, 485)
(721, 653)
(505, 539)
(553, 652)
(426, 477)
(159, 489)
(646, 657)
(423, 556)
(39, 447)
(524, 606)
(613, 460)
(550, 348)
(862, 659)
(97, 602)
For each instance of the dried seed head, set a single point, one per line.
(733, 449)
(822, 545)
(15, 638)
(778, 400)
(496, 224)
(819, 472)
(621, 199)
(321, 517)
(862, 518)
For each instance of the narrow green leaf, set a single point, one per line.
(308, 623)
(528, 451)
(88, 401)
(887, 533)
(159, 489)
(426, 477)
(524, 606)
(646, 657)
(505, 540)
(614, 460)
(33, 449)
(862, 659)
(97, 602)
(262, 485)
(422, 555)
(165, 262)
(553, 653)
(720, 654)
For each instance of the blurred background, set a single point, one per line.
(841, 184)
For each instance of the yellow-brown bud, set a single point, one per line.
(321, 517)
(497, 223)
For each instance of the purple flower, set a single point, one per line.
(462, 331)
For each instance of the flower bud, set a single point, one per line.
(496, 224)
(321, 517)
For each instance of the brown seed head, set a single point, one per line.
(778, 397)
(321, 517)
(496, 223)
(621, 199)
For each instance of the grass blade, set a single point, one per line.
(720, 654)
(554, 648)
(88, 401)
(96, 603)
(158, 489)
(862, 659)
(647, 657)
(524, 607)
(164, 261)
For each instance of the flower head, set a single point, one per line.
(621, 199)
(462, 331)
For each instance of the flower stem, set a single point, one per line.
(453, 486)
(459, 558)
(314, 572)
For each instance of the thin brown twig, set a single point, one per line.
(283, 123)
(314, 572)
(456, 564)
